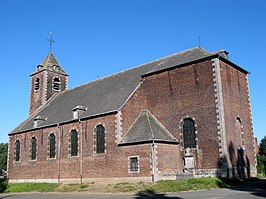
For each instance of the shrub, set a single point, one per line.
(3, 184)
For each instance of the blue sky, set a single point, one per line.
(98, 38)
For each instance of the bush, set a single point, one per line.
(3, 184)
(261, 169)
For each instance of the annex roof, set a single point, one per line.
(147, 129)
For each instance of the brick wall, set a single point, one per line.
(111, 164)
(45, 91)
(50, 77)
(174, 95)
(36, 96)
(237, 110)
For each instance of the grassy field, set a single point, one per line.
(31, 187)
(158, 187)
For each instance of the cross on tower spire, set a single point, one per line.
(51, 41)
(199, 41)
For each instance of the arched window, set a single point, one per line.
(52, 146)
(37, 84)
(17, 150)
(74, 143)
(56, 84)
(189, 133)
(33, 148)
(100, 139)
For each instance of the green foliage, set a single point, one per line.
(261, 158)
(3, 155)
(83, 186)
(29, 187)
(3, 184)
(262, 146)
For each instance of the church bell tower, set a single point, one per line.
(48, 79)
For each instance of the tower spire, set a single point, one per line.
(51, 41)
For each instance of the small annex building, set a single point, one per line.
(184, 115)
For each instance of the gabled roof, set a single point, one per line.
(183, 57)
(99, 97)
(106, 95)
(147, 129)
(50, 63)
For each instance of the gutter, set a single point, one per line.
(59, 150)
(81, 157)
(147, 142)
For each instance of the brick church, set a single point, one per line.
(184, 115)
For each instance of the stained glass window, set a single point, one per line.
(52, 146)
(74, 143)
(100, 139)
(17, 150)
(33, 148)
(189, 133)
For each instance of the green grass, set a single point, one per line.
(158, 187)
(195, 184)
(183, 185)
(191, 184)
(31, 187)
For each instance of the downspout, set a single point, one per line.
(8, 158)
(59, 148)
(81, 157)
(153, 159)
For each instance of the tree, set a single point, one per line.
(262, 156)
(3, 155)
(262, 146)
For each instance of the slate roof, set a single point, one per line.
(105, 95)
(147, 129)
(183, 57)
(50, 63)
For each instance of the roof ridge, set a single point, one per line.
(173, 54)
(106, 77)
